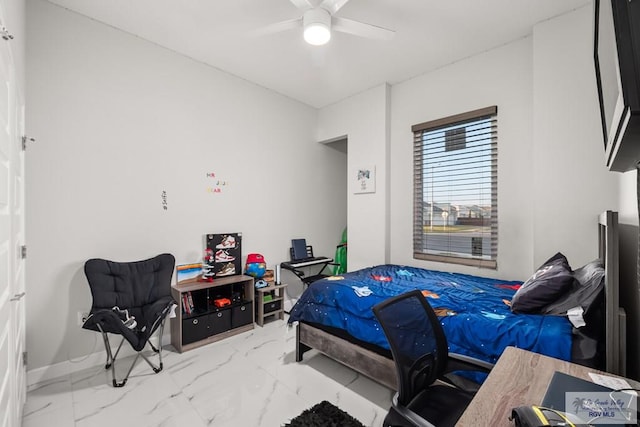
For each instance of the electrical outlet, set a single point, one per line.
(82, 317)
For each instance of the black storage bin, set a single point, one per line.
(241, 315)
(220, 321)
(271, 306)
(195, 329)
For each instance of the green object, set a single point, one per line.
(267, 298)
(341, 255)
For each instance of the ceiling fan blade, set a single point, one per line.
(361, 29)
(302, 4)
(277, 27)
(333, 5)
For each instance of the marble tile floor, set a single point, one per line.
(248, 380)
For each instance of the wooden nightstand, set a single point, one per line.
(273, 305)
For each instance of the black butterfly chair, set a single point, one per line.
(131, 299)
(421, 356)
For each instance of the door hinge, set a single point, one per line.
(26, 139)
(23, 251)
(24, 358)
(4, 33)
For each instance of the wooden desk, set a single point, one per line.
(519, 378)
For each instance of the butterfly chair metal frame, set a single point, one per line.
(425, 397)
(141, 289)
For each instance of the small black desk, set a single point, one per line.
(294, 267)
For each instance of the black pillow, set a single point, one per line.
(549, 282)
(584, 292)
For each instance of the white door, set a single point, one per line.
(12, 280)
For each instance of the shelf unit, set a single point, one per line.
(208, 323)
(274, 306)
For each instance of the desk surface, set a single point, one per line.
(519, 378)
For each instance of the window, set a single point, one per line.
(455, 189)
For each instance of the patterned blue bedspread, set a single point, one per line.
(474, 311)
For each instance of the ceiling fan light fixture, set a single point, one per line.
(317, 34)
(317, 26)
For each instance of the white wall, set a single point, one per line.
(628, 200)
(499, 77)
(364, 119)
(568, 138)
(571, 182)
(14, 15)
(120, 120)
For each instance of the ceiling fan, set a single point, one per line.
(318, 19)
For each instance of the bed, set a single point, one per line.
(478, 314)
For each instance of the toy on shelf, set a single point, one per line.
(256, 267)
(269, 276)
(259, 284)
(207, 266)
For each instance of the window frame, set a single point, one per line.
(418, 187)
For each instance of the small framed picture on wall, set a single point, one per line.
(365, 177)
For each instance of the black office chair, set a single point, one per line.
(131, 299)
(420, 353)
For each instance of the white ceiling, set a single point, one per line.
(429, 35)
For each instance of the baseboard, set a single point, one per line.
(61, 369)
(91, 360)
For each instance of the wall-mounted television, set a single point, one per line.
(617, 65)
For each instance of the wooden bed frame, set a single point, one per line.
(382, 369)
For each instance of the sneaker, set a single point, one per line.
(229, 242)
(227, 270)
(261, 284)
(223, 256)
(128, 321)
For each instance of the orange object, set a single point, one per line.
(429, 294)
(222, 302)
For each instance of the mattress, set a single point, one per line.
(474, 311)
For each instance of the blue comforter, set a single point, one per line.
(474, 311)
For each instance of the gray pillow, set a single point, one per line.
(553, 279)
(588, 285)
